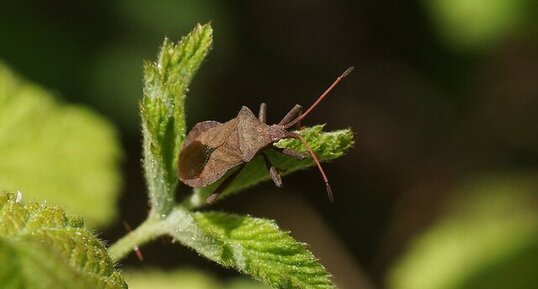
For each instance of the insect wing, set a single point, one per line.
(208, 154)
(198, 129)
(194, 154)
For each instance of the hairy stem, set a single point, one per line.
(149, 230)
(194, 201)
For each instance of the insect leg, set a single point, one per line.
(291, 115)
(216, 193)
(262, 115)
(275, 176)
(291, 153)
(316, 160)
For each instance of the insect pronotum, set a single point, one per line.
(212, 148)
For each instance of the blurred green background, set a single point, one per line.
(441, 188)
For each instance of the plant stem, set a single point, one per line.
(147, 231)
(196, 200)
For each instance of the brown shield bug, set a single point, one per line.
(212, 148)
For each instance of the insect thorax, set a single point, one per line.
(277, 132)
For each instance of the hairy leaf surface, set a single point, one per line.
(253, 246)
(166, 83)
(41, 247)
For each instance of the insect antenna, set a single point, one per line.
(316, 160)
(320, 98)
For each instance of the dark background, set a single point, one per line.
(439, 94)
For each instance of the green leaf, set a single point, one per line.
(166, 83)
(477, 24)
(253, 246)
(41, 247)
(242, 283)
(326, 145)
(64, 154)
(185, 279)
(488, 240)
